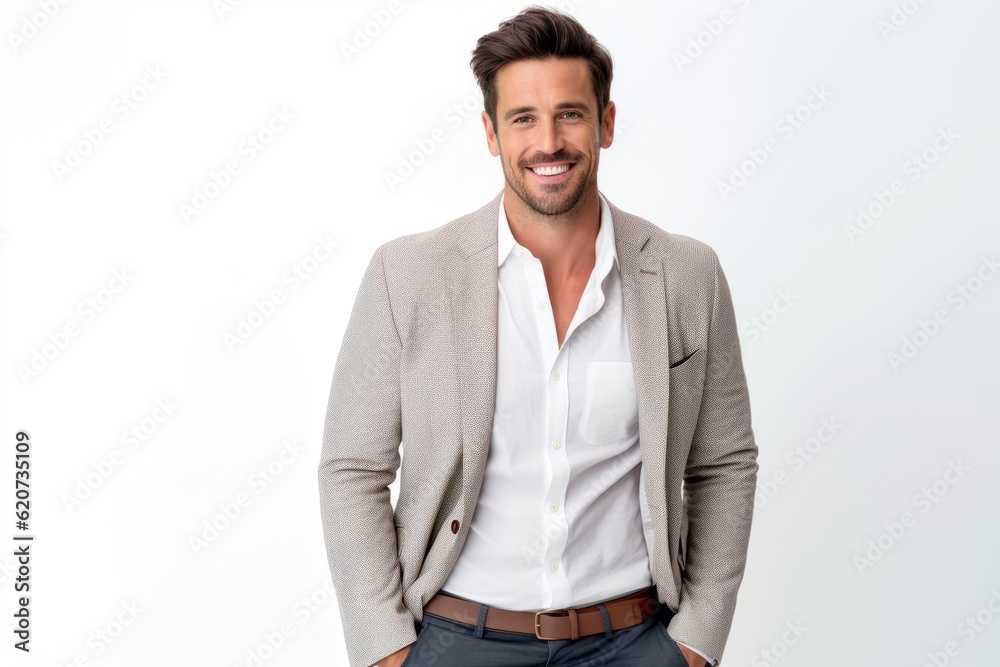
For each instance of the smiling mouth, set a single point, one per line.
(553, 170)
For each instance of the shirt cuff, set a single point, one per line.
(711, 661)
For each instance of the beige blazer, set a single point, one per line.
(417, 371)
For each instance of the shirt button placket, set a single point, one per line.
(557, 527)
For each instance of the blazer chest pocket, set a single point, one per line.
(684, 359)
(687, 383)
(610, 410)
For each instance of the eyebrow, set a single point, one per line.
(562, 105)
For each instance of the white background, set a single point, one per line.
(683, 128)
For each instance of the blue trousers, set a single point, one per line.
(445, 643)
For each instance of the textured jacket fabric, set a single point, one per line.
(416, 374)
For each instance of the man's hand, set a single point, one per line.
(693, 659)
(395, 659)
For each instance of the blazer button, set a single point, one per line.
(454, 526)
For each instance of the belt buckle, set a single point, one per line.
(547, 612)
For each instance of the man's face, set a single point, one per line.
(548, 134)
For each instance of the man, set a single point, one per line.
(579, 465)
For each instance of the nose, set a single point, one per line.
(549, 136)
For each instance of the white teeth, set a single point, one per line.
(550, 171)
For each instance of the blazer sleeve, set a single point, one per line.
(360, 456)
(720, 480)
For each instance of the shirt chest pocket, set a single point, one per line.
(610, 411)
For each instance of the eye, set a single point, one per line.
(574, 113)
(517, 120)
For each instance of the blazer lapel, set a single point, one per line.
(644, 299)
(645, 305)
(474, 322)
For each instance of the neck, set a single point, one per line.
(564, 243)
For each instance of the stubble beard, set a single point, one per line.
(558, 206)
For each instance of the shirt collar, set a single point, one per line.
(604, 245)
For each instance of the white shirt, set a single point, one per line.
(557, 524)
(561, 519)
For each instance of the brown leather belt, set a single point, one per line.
(624, 612)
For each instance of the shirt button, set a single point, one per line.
(556, 444)
(454, 526)
(554, 507)
(555, 375)
(540, 306)
(553, 566)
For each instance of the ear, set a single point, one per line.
(608, 125)
(491, 135)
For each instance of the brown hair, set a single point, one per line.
(538, 33)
